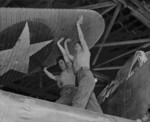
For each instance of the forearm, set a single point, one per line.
(80, 34)
(67, 51)
(85, 88)
(63, 51)
(50, 75)
(81, 38)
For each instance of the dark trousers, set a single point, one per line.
(66, 95)
(85, 97)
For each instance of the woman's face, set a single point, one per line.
(78, 47)
(62, 64)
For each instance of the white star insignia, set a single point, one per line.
(17, 58)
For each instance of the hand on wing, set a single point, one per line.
(60, 40)
(45, 68)
(68, 40)
(80, 21)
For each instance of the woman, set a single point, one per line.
(66, 79)
(84, 97)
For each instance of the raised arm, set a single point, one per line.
(63, 51)
(50, 75)
(67, 50)
(80, 34)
